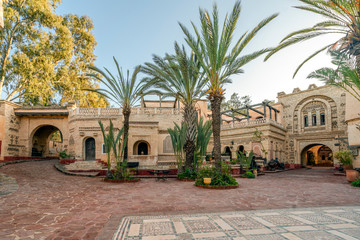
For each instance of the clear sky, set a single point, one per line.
(134, 30)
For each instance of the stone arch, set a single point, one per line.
(141, 147)
(316, 101)
(317, 154)
(39, 140)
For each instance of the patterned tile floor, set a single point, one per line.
(293, 224)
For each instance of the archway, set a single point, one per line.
(318, 155)
(228, 152)
(46, 141)
(241, 149)
(90, 149)
(141, 148)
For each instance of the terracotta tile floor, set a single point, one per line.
(51, 205)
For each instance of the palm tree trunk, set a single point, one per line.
(126, 112)
(215, 102)
(190, 116)
(357, 57)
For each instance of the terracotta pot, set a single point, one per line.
(255, 172)
(352, 175)
(207, 181)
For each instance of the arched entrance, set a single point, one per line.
(318, 155)
(90, 149)
(141, 148)
(228, 152)
(46, 141)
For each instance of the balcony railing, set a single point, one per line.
(93, 112)
(250, 123)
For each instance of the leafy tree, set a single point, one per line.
(122, 90)
(236, 102)
(344, 76)
(218, 61)
(43, 55)
(179, 76)
(341, 17)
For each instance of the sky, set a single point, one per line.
(133, 31)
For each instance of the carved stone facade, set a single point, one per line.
(322, 118)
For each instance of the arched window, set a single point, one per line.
(314, 119)
(306, 121)
(322, 118)
(141, 148)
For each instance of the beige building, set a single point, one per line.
(303, 127)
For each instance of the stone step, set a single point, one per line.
(85, 165)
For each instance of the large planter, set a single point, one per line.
(207, 181)
(352, 175)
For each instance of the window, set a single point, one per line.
(103, 149)
(322, 119)
(306, 121)
(314, 119)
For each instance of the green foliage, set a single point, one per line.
(345, 157)
(222, 178)
(249, 174)
(345, 75)
(204, 131)
(63, 154)
(236, 102)
(339, 17)
(44, 55)
(356, 183)
(220, 58)
(244, 160)
(187, 174)
(178, 135)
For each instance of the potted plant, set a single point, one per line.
(346, 159)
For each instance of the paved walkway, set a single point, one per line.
(294, 224)
(51, 205)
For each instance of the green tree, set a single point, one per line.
(218, 60)
(236, 102)
(179, 76)
(340, 17)
(41, 53)
(345, 75)
(122, 90)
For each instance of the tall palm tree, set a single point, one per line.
(340, 17)
(179, 76)
(122, 90)
(344, 76)
(218, 61)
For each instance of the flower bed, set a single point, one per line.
(218, 187)
(131, 180)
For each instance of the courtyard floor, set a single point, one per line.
(46, 204)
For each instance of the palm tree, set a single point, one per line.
(344, 76)
(218, 61)
(122, 90)
(341, 17)
(178, 76)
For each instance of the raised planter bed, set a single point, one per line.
(217, 187)
(122, 180)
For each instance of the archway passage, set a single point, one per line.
(317, 155)
(46, 141)
(90, 149)
(141, 148)
(228, 152)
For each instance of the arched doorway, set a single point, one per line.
(318, 155)
(46, 141)
(90, 149)
(141, 148)
(228, 152)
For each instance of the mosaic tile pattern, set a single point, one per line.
(7, 185)
(311, 223)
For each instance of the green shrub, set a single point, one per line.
(63, 154)
(222, 178)
(187, 174)
(356, 183)
(345, 157)
(249, 174)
